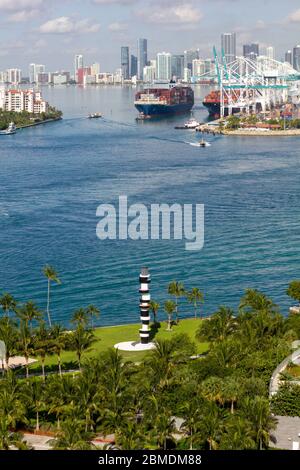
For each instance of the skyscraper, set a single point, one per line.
(228, 45)
(296, 57)
(177, 63)
(78, 64)
(251, 51)
(125, 62)
(288, 57)
(270, 52)
(34, 71)
(163, 66)
(189, 56)
(141, 57)
(133, 65)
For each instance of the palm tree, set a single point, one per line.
(231, 390)
(238, 436)
(42, 344)
(8, 303)
(9, 439)
(71, 436)
(8, 334)
(80, 317)
(170, 308)
(34, 395)
(212, 425)
(59, 343)
(25, 345)
(28, 313)
(154, 307)
(218, 327)
(257, 411)
(195, 296)
(51, 276)
(93, 312)
(163, 423)
(81, 340)
(177, 290)
(192, 412)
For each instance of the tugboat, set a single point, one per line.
(10, 130)
(191, 124)
(95, 116)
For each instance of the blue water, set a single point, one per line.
(53, 177)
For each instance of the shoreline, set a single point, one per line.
(39, 123)
(286, 133)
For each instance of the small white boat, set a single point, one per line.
(202, 143)
(191, 124)
(95, 116)
(10, 130)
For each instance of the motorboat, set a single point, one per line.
(10, 130)
(95, 116)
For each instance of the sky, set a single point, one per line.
(51, 32)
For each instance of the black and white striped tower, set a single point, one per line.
(145, 280)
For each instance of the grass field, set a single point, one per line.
(107, 337)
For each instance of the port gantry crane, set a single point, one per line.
(254, 85)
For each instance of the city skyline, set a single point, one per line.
(32, 30)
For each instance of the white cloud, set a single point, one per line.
(66, 25)
(15, 5)
(23, 15)
(178, 14)
(117, 27)
(294, 17)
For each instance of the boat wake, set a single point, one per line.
(198, 144)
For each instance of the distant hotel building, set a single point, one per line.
(228, 46)
(22, 100)
(270, 53)
(125, 62)
(12, 76)
(188, 57)
(142, 57)
(163, 66)
(296, 57)
(78, 64)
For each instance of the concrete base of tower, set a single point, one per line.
(134, 346)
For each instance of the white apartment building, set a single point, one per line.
(22, 100)
(163, 66)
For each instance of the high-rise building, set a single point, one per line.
(78, 64)
(133, 65)
(149, 72)
(198, 69)
(251, 51)
(296, 57)
(288, 57)
(125, 62)
(270, 52)
(228, 46)
(13, 76)
(141, 57)
(189, 56)
(177, 66)
(34, 71)
(163, 66)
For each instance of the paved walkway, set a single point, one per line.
(42, 442)
(287, 433)
(275, 379)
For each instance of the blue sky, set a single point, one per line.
(52, 31)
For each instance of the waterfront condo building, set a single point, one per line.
(22, 100)
(163, 66)
(141, 57)
(228, 46)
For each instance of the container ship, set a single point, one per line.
(164, 101)
(213, 103)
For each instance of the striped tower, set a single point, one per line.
(145, 280)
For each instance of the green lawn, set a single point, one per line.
(108, 336)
